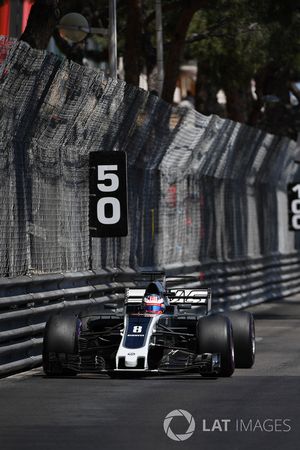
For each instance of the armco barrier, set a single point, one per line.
(235, 285)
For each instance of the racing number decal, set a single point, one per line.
(137, 329)
(108, 194)
(294, 206)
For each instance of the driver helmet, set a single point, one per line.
(154, 304)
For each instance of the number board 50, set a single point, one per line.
(294, 206)
(108, 194)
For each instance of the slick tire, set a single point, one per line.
(243, 337)
(60, 337)
(214, 335)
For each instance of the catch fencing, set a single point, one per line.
(206, 196)
(200, 188)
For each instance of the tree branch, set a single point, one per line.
(198, 4)
(214, 31)
(209, 32)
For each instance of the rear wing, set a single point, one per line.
(179, 296)
(176, 296)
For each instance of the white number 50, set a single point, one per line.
(105, 174)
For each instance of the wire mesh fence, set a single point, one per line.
(200, 188)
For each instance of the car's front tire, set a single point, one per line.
(243, 337)
(214, 335)
(60, 338)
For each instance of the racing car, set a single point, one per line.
(157, 330)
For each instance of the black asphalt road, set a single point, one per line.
(255, 409)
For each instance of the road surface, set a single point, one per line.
(254, 409)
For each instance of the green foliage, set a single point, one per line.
(232, 50)
(233, 42)
(242, 40)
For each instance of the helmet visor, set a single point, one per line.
(154, 309)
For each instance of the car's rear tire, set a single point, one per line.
(243, 337)
(60, 338)
(214, 335)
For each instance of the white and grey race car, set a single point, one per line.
(183, 334)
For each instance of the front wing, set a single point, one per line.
(130, 346)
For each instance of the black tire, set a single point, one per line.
(60, 337)
(243, 337)
(214, 335)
